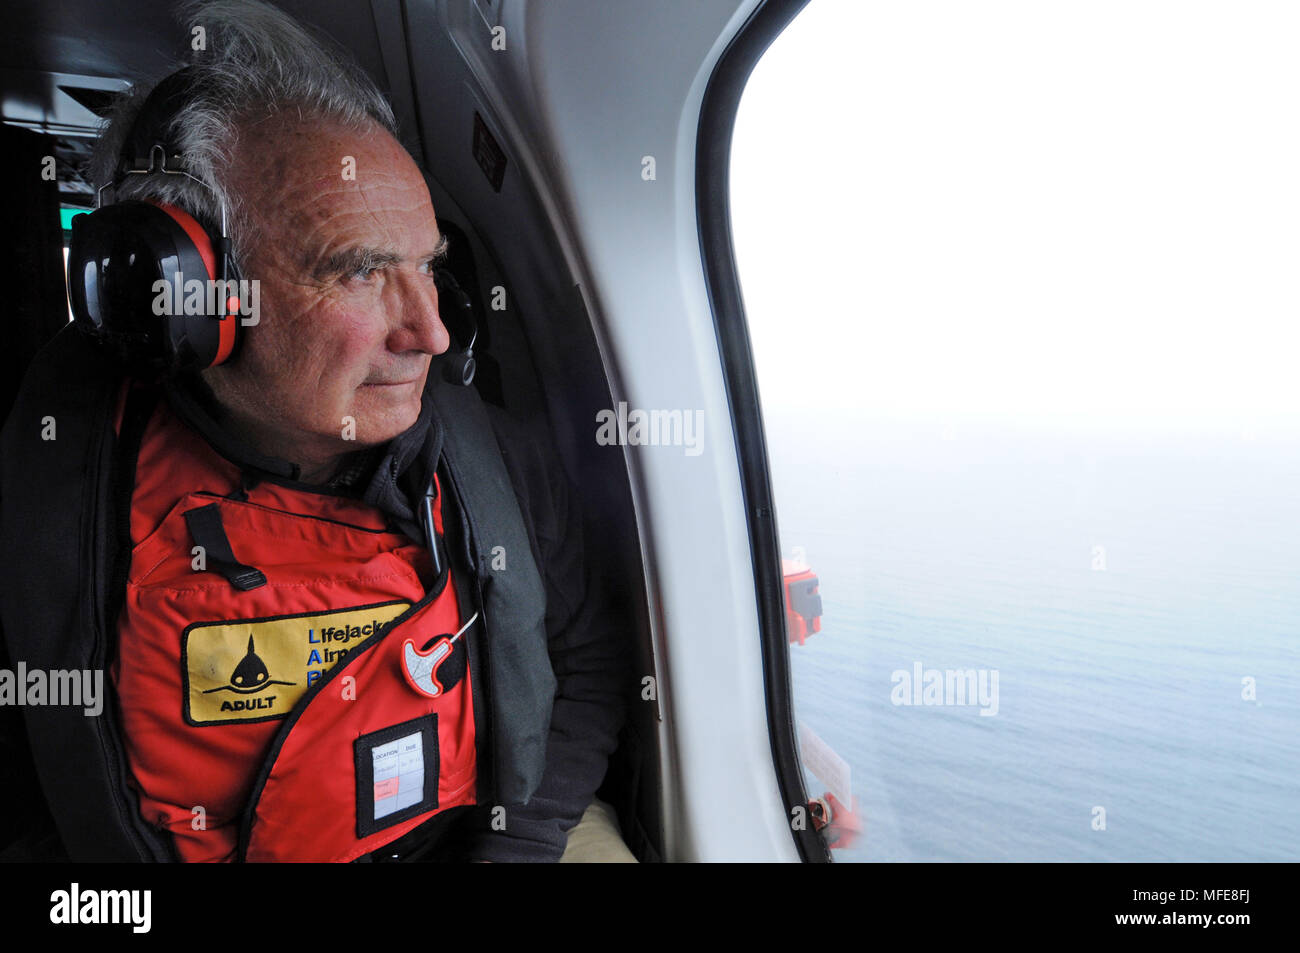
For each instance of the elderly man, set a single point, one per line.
(341, 605)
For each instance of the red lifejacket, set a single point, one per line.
(289, 721)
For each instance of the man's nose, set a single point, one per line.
(416, 324)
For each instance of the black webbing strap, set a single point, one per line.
(210, 533)
(520, 680)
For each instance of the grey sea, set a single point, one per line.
(1137, 595)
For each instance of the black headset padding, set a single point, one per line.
(116, 256)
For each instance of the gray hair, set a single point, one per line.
(258, 60)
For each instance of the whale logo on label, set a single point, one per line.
(249, 676)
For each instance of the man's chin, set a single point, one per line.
(385, 412)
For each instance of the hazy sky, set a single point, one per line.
(1086, 208)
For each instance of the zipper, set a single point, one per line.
(304, 516)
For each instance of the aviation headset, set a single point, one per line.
(120, 252)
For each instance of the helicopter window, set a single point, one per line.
(1025, 347)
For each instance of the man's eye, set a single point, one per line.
(362, 274)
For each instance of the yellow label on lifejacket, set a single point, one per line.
(256, 670)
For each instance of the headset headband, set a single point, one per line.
(148, 148)
(152, 127)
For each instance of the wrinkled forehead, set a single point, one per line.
(311, 187)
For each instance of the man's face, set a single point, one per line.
(344, 245)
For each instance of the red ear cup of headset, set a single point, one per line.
(144, 278)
